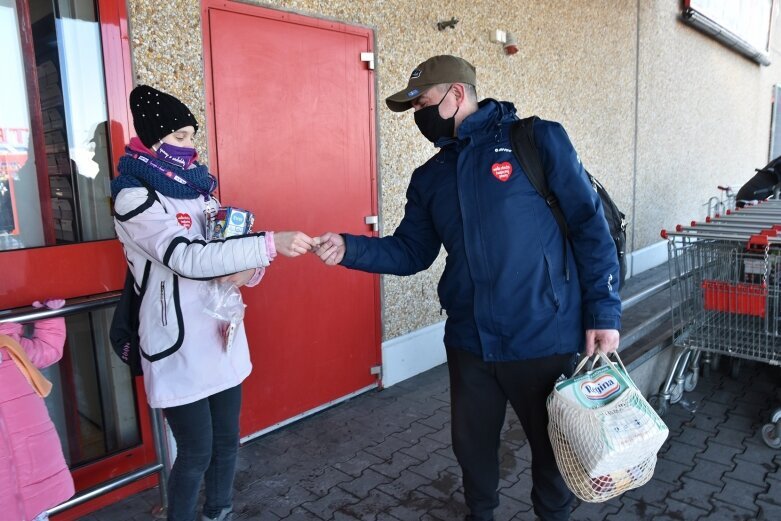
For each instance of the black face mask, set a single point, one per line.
(432, 125)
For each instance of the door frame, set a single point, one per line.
(86, 268)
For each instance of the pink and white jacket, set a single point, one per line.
(183, 351)
(33, 473)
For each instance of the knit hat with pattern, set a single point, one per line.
(157, 114)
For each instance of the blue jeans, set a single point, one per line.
(207, 443)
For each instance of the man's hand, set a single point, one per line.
(240, 278)
(293, 244)
(332, 248)
(605, 340)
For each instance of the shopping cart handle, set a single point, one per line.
(708, 219)
(693, 224)
(758, 242)
(663, 233)
(678, 228)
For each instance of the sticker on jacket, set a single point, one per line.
(184, 220)
(502, 171)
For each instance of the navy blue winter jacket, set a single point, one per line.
(504, 286)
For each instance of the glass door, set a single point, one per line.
(63, 122)
(54, 147)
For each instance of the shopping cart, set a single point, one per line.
(725, 278)
(720, 204)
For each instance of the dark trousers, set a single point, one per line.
(479, 392)
(207, 443)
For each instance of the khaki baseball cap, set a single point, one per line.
(435, 70)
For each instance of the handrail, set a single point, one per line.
(72, 306)
(642, 295)
(106, 487)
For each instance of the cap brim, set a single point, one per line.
(403, 99)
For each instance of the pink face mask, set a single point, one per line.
(179, 156)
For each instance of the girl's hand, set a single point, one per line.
(293, 244)
(240, 278)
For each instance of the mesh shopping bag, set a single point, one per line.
(605, 435)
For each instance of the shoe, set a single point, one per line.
(225, 515)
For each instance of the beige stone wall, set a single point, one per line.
(167, 52)
(702, 114)
(703, 120)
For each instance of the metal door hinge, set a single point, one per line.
(376, 369)
(373, 221)
(369, 58)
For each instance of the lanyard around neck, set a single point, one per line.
(172, 176)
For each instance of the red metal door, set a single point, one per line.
(292, 138)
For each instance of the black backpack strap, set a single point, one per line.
(525, 150)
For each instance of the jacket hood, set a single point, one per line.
(490, 113)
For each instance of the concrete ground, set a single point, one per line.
(387, 456)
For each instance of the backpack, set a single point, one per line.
(123, 333)
(525, 150)
(125, 322)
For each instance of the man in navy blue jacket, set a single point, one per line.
(520, 301)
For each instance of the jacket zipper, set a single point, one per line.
(550, 280)
(163, 309)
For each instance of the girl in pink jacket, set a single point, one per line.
(33, 473)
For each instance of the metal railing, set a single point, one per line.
(161, 466)
(635, 299)
(71, 307)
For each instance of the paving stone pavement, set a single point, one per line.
(386, 456)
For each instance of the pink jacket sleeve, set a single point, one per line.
(272, 252)
(11, 329)
(45, 347)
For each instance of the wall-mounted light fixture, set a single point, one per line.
(725, 36)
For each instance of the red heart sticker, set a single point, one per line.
(184, 219)
(502, 171)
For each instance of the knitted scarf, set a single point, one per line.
(135, 173)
